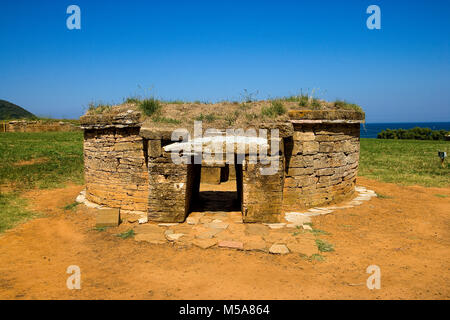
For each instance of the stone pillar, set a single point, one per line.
(262, 194)
(231, 172)
(171, 185)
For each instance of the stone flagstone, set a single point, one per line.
(204, 243)
(193, 220)
(154, 238)
(304, 246)
(254, 243)
(174, 236)
(275, 225)
(256, 229)
(107, 218)
(231, 244)
(208, 234)
(217, 224)
(148, 228)
(279, 249)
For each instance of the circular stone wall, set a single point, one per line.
(126, 167)
(321, 164)
(115, 168)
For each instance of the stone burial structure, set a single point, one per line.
(129, 158)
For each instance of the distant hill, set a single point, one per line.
(10, 111)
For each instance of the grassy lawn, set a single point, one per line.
(13, 210)
(35, 160)
(42, 160)
(405, 162)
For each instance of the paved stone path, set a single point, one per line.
(227, 231)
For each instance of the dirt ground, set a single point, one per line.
(406, 234)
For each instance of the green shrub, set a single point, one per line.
(231, 118)
(251, 116)
(150, 106)
(274, 110)
(303, 100)
(316, 104)
(208, 118)
(416, 133)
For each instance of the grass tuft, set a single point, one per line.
(126, 234)
(316, 257)
(150, 106)
(231, 118)
(71, 206)
(382, 196)
(274, 110)
(165, 120)
(208, 117)
(324, 246)
(132, 100)
(13, 210)
(319, 232)
(341, 104)
(98, 108)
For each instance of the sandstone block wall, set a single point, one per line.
(115, 168)
(262, 195)
(317, 165)
(38, 126)
(217, 173)
(171, 186)
(321, 164)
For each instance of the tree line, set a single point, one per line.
(416, 133)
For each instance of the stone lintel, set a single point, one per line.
(156, 133)
(326, 121)
(326, 115)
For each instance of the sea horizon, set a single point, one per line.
(371, 129)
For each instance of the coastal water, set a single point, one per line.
(370, 130)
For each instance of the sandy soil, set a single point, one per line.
(407, 236)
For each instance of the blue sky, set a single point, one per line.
(213, 50)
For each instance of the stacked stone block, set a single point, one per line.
(115, 168)
(126, 167)
(262, 195)
(171, 186)
(321, 164)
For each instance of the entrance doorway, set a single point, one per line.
(219, 188)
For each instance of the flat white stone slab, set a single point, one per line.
(219, 142)
(275, 225)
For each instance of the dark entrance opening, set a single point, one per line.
(216, 188)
